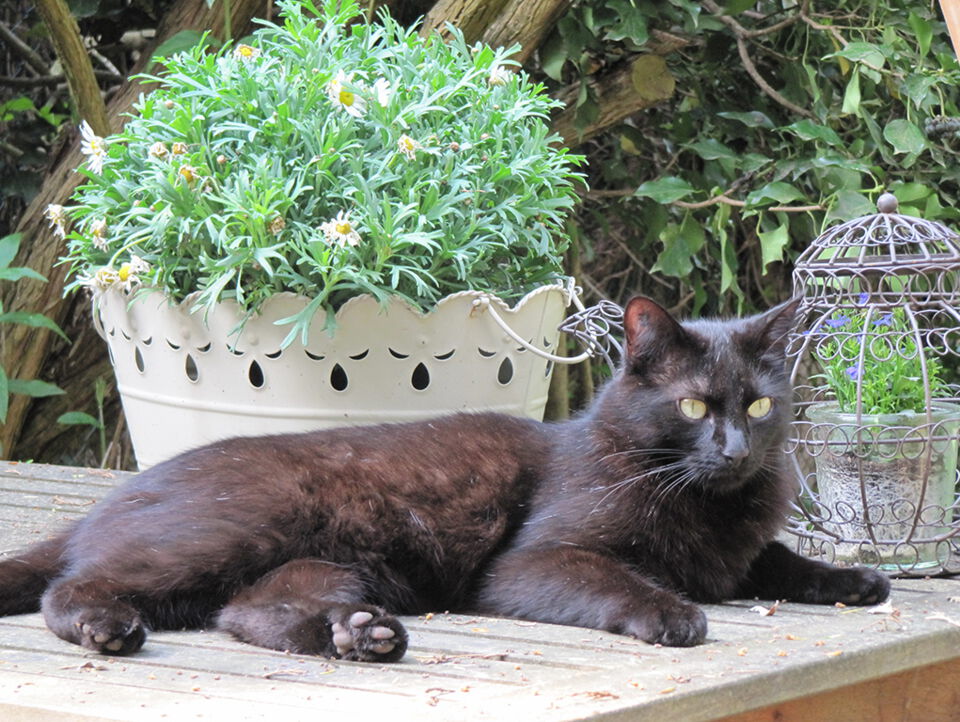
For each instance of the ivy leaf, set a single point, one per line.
(773, 243)
(751, 119)
(851, 96)
(922, 31)
(665, 190)
(850, 205)
(8, 248)
(777, 192)
(867, 53)
(680, 245)
(809, 130)
(553, 56)
(711, 149)
(632, 24)
(904, 136)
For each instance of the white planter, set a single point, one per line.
(184, 380)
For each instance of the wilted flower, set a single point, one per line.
(98, 229)
(341, 231)
(276, 225)
(408, 146)
(103, 279)
(343, 98)
(57, 218)
(158, 150)
(92, 146)
(188, 173)
(499, 75)
(179, 148)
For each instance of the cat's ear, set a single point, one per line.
(769, 331)
(650, 332)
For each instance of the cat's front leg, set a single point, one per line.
(779, 573)
(584, 588)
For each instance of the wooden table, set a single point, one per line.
(899, 662)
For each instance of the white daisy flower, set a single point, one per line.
(57, 218)
(343, 98)
(408, 146)
(245, 52)
(129, 274)
(499, 75)
(382, 92)
(341, 231)
(98, 229)
(92, 146)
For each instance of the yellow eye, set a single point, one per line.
(693, 408)
(760, 408)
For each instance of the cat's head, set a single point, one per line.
(711, 397)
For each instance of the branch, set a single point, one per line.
(23, 50)
(742, 35)
(77, 68)
(101, 75)
(721, 198)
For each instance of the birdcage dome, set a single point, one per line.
(865, 254)
(875, 357)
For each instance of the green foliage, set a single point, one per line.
(29, 387)
(731, 182)
(289, 165)
(876, 356)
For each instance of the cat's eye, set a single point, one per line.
(760, 408)
(693, 408)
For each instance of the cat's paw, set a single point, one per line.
(110, 630)
(856, 585)
(368, 634)
(679, 624)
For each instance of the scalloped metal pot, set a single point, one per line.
(185, 380)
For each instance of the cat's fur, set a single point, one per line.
(620, 520)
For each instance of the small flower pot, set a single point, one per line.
(886, 484)
(185, 379)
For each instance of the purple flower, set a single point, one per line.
(839, 322)
(863, 299)
(885, 320)
(853, 372)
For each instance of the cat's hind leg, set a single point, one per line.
(25, 576)
(91, 611)
(309, 606)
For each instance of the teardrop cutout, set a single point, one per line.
(420, 378)
(505, 372)
(255, 374)
(338, 378)
(190, 366)
(138, 359)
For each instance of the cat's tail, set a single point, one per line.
(24, 577)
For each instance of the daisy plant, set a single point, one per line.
(327, 157)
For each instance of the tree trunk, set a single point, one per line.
(26, 350)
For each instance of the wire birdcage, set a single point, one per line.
(875, 357)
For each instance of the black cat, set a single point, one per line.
(668, 491)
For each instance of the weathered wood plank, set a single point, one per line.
(478, 668)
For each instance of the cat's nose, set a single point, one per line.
(736, 448)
